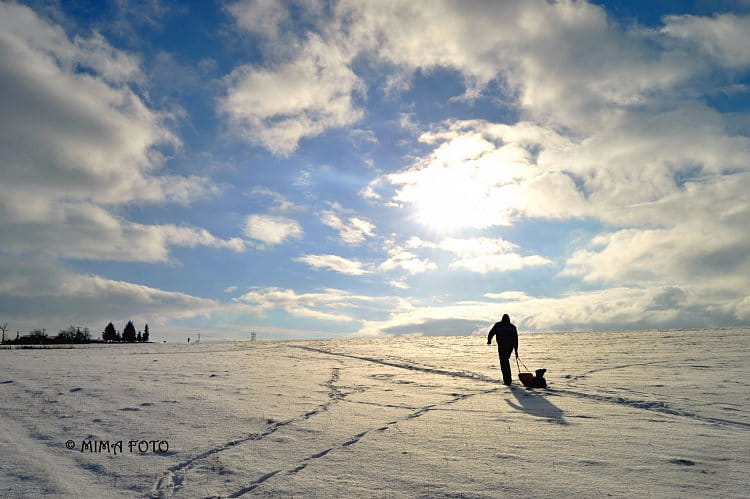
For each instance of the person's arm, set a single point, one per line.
(492, 333)
(515, 341)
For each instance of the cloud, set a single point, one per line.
(276, 107)
(682, 170)
(86, 231)
(76, 141)
(501, 262)
(613, 308)
(438, 327)
(272, 229)
(482, 254)
(324, 305)
(465, 247)
(711, 256)
(280, 203)
(352, 231)
(37, 294)
(406, 260)
(469, 180)
(613, 128)
(262, 17)
(70, 133)
(398, 284)
(191, 237)
(335, 263)
(724, 38)
(508, 296)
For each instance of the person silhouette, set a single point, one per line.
(506, 336)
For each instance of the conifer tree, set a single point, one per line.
(128, 334)
(109, 333)
(145, 333)
(138, 337)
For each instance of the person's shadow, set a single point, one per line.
(536, 404)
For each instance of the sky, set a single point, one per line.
(338, 168)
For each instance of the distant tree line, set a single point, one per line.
(74, 334)
(111, 335)
(70, 334)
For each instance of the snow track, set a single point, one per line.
(351, 441)
(171, 480)
(387, 417)
(655, 406)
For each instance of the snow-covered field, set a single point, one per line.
(646, 413)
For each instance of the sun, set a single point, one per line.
(447, 202)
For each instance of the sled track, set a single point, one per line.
(171, 479)
(350, 441)
(660, 407)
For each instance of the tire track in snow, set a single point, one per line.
(653, 406)
(173, 477)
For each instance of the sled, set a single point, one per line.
(528, 379)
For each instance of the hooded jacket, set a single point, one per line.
(506, 334)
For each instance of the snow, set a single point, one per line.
(632, 413)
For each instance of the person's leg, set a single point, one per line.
(505, 368)
(504, 352)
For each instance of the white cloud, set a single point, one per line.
(262, 17)
(614, 308)
(324, 305)
(70, 134)
(39, 294)
(508, 296)
(87, 231)
(616, 134)
(500, 262)
(482, 254)
(398, 257)
(481, 175)
(335, 263)
(272, 229)
(398, 284)
(724, 38)
(280, 202)
(76, 141)
(191, 237)
(276, 107)
(369, 192)
(465, 248)
(613, 128)
(352, 231)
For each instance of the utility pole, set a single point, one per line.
(3, 328)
